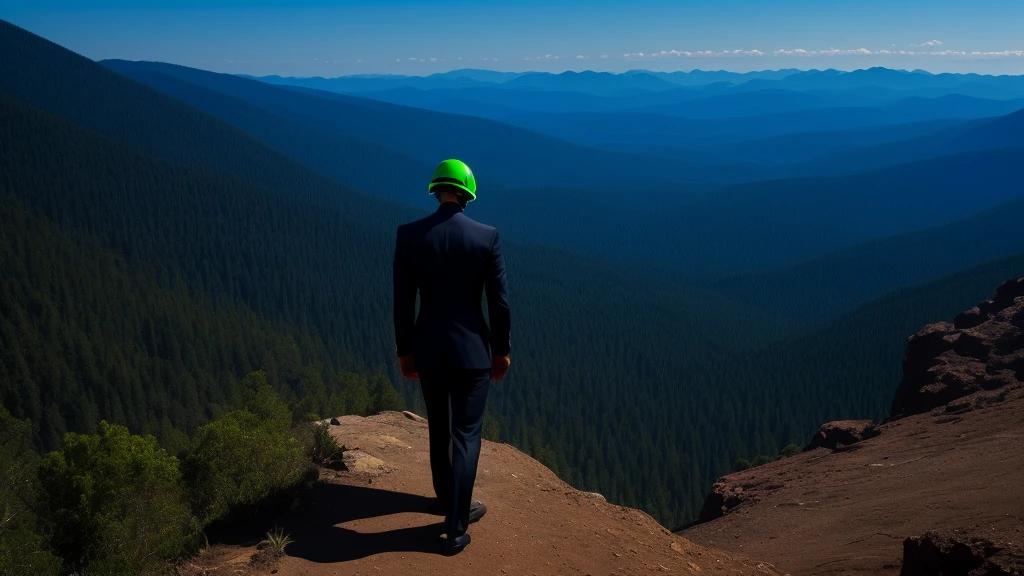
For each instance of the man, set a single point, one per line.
(450, 260)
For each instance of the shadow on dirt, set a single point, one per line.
(317, 538)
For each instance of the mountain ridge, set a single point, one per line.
(829, 285)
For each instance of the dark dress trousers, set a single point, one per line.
(450, 260)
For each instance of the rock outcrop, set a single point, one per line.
(835, 435)
(956, 552)
(980, 351)
(948, 457)
(724, 496)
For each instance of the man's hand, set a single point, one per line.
(499, 366)
(408, 368)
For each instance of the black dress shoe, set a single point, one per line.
(476, 511)
(455, 545)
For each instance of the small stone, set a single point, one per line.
(413, 417)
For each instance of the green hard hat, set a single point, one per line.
(454, 173)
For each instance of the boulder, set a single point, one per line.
(982, 350)
(335, 421)
(840, 433)
(362, 463)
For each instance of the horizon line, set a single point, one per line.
(630, 71)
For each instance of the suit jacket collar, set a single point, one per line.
(449, 208)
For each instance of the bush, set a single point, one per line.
(740, 465)
(22, 550)
(318, 441)
(114, 504)
(790, 450)
(245, 457)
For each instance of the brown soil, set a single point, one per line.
(372, 521)
(849, 511)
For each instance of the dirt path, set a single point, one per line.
(848, 512)
(372, 522)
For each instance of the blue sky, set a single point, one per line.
(319, 38)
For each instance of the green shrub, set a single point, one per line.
(22, 550)
(241, 460)
(113, 503)
(790, 450)
(740, 465)
(324, 443)
(317, 441)
(762, 459)
(275, 541)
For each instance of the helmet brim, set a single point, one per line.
(469, 193)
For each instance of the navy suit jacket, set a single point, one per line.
(450, 260)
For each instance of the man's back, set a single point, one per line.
(450, 259)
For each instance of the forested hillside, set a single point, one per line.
(763, 225)
(850, 367)
(365, 165)
(155, 331)
(1004, 131)
(823, 288)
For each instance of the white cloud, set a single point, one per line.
(962, 54)
(604, 56)
(582, 57)
(697, 54)
(835, 52)
(866, 52)
(829, 52)
(433, 59)
(928, 43)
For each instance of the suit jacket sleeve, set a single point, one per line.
(497, 301)
(404, 299)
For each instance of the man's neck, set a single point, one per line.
(452, 201)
